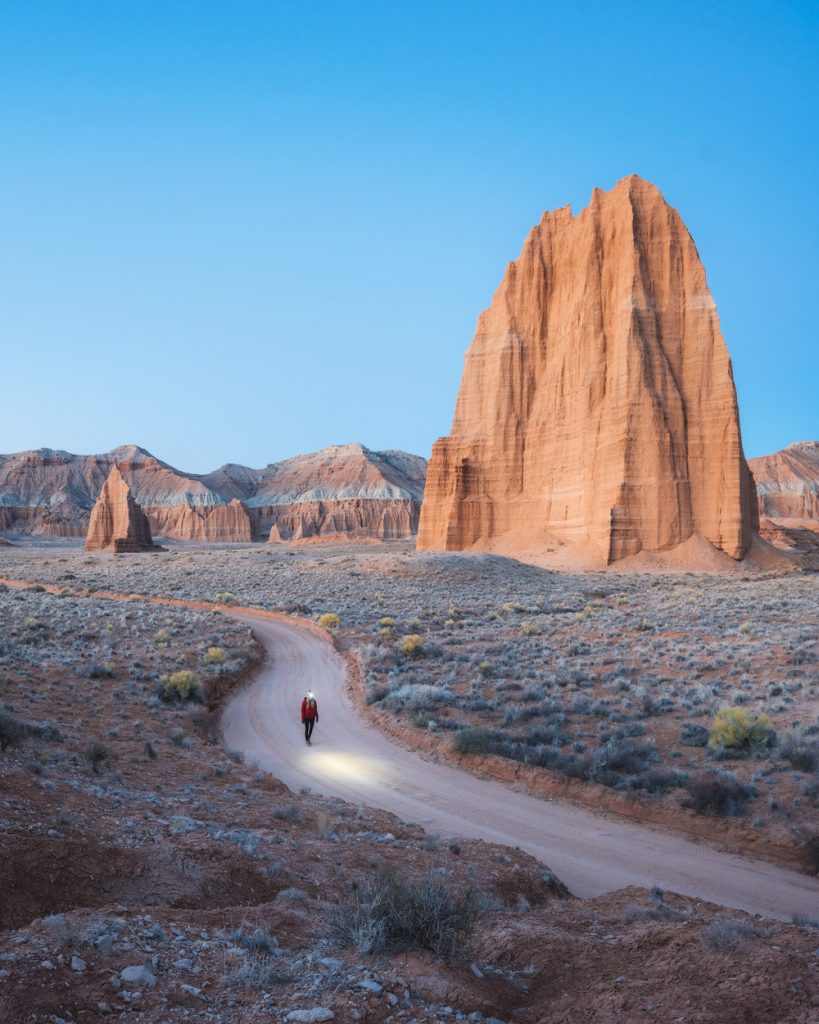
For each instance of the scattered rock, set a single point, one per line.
(137, 975)
(313, 1016)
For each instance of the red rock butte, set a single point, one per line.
(117, 522)
(597, 405)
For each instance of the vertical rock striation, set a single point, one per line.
(788, 482)
(117, 522)
(597, 404)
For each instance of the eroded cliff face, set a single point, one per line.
(788, 482)
(344, 491)
(355, 518)
(117, 522)
(597, 404)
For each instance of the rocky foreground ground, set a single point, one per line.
(148, 873)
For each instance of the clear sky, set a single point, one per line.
(237, 231)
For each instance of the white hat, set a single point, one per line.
(309, 694)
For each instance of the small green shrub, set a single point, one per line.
(739, 730)
(162, 637)
(214, 656)
(329, 620)
(412, 645)
(180, 686)
(226, 597)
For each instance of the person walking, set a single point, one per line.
(309, 715)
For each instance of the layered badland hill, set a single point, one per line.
(597, 407)
(341, 491)
(788, 482)
(788, 487)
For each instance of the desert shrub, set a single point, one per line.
(12, 731)
(660, 780)
(739, 730)
(329, 620)
(802, 754)
(226, 597)
(694, 735)
(412, 645)
(214, 656)
(727, 936)
(288, 812)
(257, 971)
(105, 670)
(802, 921)
(658, 911)
(811, 793)
(180, 686)
(293, 895)
(162, 636)
(97, 755)
(719, 794)
(809, 851)
(386, 622)
(418, 696)
(477, 740)
(386, 914)
(257, 941)
(617, 758)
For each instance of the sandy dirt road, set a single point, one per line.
(351, 759)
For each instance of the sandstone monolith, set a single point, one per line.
(597, 406)
(117, 522)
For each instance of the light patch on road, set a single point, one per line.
(365, 771)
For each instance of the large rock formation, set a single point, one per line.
(787, 482)
(117, 522)
(597, 404)
(342, 491)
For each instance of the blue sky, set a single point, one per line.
(237, 231)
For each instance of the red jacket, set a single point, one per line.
(309, 709)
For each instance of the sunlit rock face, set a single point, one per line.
(597, 403)
(117, 522)
(788, 482)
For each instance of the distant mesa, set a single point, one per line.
(597, 410)
(342, 492)
(117, 522)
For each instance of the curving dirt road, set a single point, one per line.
(351, 759)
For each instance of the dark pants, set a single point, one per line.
(308, 727)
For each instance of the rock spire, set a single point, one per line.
(597, 405)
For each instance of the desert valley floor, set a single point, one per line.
(151, 871)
